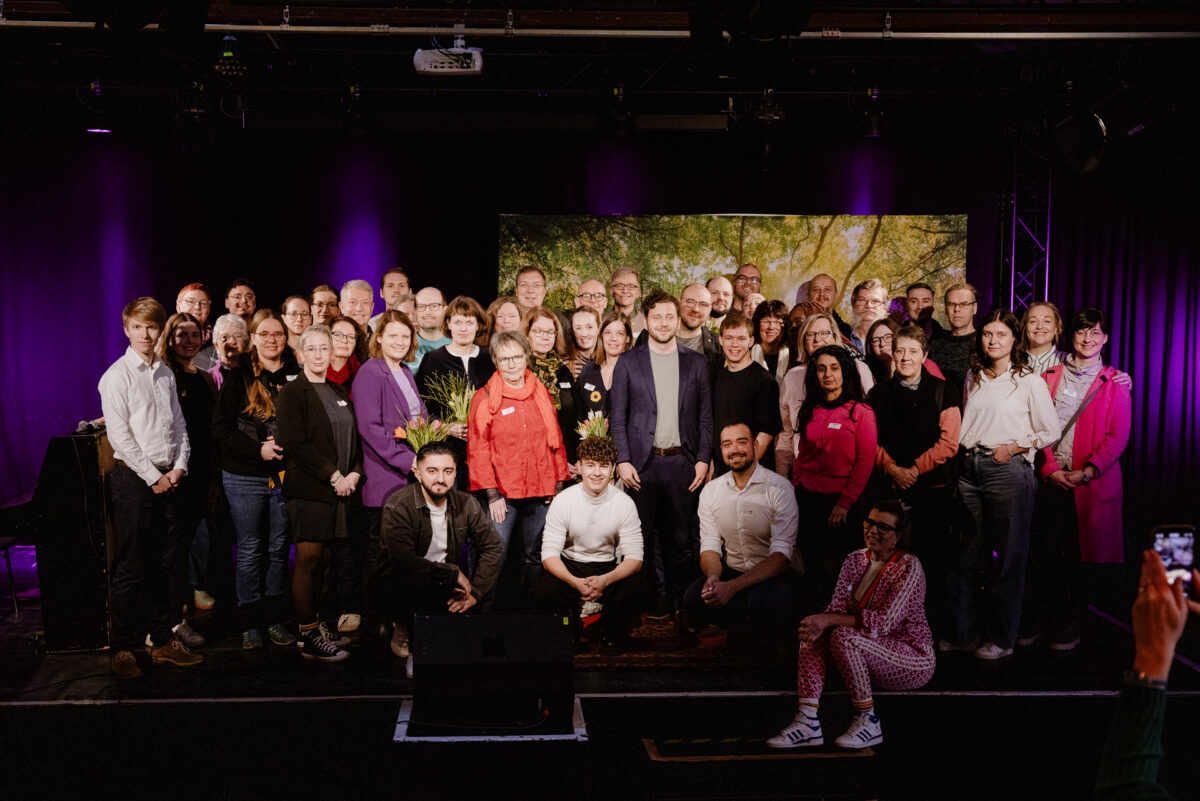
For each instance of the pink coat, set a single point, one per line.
(1101, 434)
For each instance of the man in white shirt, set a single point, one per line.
(587, 526)
(748, 520)
(149, 440)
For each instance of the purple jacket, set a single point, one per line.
(380, 406)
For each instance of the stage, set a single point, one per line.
(660, 723)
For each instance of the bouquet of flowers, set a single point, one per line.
(596, 425)
(452, 392)
(420, 432)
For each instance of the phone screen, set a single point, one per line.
(1175, 545)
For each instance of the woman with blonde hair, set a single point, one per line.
(596, 377)
(502, 314)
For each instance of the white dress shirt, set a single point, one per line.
(749, 524)
(142, 415)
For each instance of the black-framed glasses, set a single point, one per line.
(882, 528)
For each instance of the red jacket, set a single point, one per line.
(837, 452)
(1101, 434)
(509, 450)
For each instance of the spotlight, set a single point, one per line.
(96, 121)
(228, 64)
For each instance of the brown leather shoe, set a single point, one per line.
(124, 665)
(175, 652)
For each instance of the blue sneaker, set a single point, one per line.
(803, 731)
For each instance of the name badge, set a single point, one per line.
(509, 410)
(835, 425)
(341, 403)
(292, 377)
(565, 384)
(588, 387)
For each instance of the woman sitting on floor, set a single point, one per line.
(874, 627)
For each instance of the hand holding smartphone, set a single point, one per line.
(1175, 545)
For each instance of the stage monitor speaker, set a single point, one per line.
(503, 673)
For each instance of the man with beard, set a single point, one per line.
(424, 528)
(748, 520)
(661, 420)
(392, 285)
(918, 305)
(722, 297)
(747, 280)
(822, 290)
(431, 310)
(868, 304)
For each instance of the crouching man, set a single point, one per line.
(748, 520)
(587, 526)
(423, 530)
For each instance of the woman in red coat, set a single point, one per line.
(1078, 510)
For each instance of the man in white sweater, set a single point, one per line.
(587, 526)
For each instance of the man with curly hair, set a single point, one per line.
(588, 526)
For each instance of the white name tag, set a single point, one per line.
(341, 403)
(589, 387)
(509, 410)
(292, 377)
(835, 425)
(565, 384)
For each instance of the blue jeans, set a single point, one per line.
(530, 514)
(262, 536)
(1000, 499)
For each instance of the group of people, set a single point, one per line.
(713, 457)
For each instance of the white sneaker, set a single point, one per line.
(804, 730)
(989, 650)
(202, 600)
(408, 666)
(349, 622)
(864, 731)
(400, 642)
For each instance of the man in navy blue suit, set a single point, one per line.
(661, 420)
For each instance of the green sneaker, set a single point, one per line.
(252, 640)
(280, 634)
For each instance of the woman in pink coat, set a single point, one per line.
(1078, 510)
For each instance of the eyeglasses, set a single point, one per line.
(771, 322)
(1090, 334)
(341, 336)
(542, 332)
(270, 335)
(692, 303)
(882, 528)
(195, 304)
(513, 360)
(957, 306)
(747, 279)
(813, 336)
(592, 295)
(429, 306)
(295, 315)
(884, 340)
(870, 304)
(239, 297)
(625, 287)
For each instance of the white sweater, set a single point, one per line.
(586, 529)
(999, 411)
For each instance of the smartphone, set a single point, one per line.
(1176, 546)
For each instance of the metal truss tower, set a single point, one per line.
(1024, 224)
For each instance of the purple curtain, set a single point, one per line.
(1140, 263)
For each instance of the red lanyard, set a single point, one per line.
(874, 583)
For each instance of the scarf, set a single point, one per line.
(546, 369)
(495, 391)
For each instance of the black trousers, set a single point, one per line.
(145, 529)
(622, 600)
(670, 529)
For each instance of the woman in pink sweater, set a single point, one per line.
(837, 440)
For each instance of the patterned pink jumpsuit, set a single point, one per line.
(893, 647)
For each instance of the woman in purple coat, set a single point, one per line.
(385, 396)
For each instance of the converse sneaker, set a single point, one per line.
(316, 647)
(991, 651)
(804, 730)
(323, 630)
(864, 731)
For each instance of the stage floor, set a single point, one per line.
(271, 725)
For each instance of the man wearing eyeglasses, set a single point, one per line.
(868, 303)
(592, 295)
(951, 350)
(746, 281)
(196, 300)
(240, 300)
(530, 289)
(626, 288)
(430, 308)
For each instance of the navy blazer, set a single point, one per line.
(633, 407)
